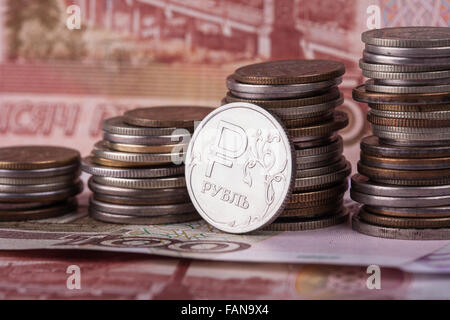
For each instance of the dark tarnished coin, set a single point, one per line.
(125, 219)
(297, 199)
(313, 142)
(289, 71)
(153, 195)
(36, 157)
(391, 174)
(362, 95)
(429, 212)
(89, 166)
(339, 122)
(362, 184)
(142, 210)
(372, 146)
(117, 126)
(40, 213)
(299, 224)
(329, 95)
(20, 206)
(318, 158)
(167, 116)
(43, 196)
(399, 233)
(300, 165)
(408, 37)
(314, 212)
(406, 223)
(175, 197)
(415, 123)
(405, 163)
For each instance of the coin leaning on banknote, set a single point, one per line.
(38, 182)
(404, 177)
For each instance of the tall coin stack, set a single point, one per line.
(404, 170)
(303, 94)
(38, 182)
(138, 169)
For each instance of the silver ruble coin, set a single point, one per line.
(426, 115)
(411, 83)
(399, 233)
(41, 173)
(117, 126)
(431, 75)
(148, 140)
(408, 37)
(412, 143)
(239, 168)
(431, 61)
(323, 181)
(362, 184)
(419, 212)
(142, 210)
(409, 52)
(319, 157)
(322, 170)
(396, 68)
(435, 133)
(154, 183)
(399, 202)
(312, 165)
(371, 86)
(90, 167)
(136, 220)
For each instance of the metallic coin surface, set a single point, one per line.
(40, 213)
(239, 168)
(306, 111)
(429, 61)
(47, 196)
(20, 206)
(405, 163)
(40, 173)
(33, 188)
(397, 222)
(319, 182)
(373, 87)
(118, 126)
(299, 224)
(152, 183)
(313, 142)
(337, 144)
(408, 37)
(409, 52)
(362, 95)
(329, 95)
(136, 148)
(124, 164)
(141, 210)
(37, 157)
(308, 121)
(339, 122)
(90, 167)
(68, 178)
(411, 83)
(289, 72)
(362, 184)
(101, 150)
(424, 115)
(319, 171)
(411, 139)
(153, 195)
(410, 108)
(430, 212)
(314, 212)
(375, 173)
(166, 116)
(399, 233)
(431, 75)
(317, 164)
(364, 65)
(315, 196)
(399, 202)
(436, 133)
(181, 135)
(170, 199)
(332, 154)
(124, 219)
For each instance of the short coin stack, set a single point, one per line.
(38, 182)
(303, 94)
(404, 170)
(138, 169)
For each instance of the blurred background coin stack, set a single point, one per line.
(138, 168)
(303, 94)
(404, 170)
(38, 182)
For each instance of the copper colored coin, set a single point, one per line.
(167, 116)
(362, 95)
(330, 95)
(410, 108)
(300, 122)
(405, 163)
(391, 174)
(289, 72)
(136, 148)
(340, 121)
(306, 199)
(41, 213)
(372, 146)
(415, 123)
(429, 212)
(314, 212)
(122, 164)
(36, 157)
(396, 222)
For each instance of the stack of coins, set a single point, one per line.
(303, 95)
(404, 180)
(38, 182)
(138, 170)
